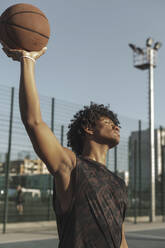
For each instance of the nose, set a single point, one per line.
(117, 128)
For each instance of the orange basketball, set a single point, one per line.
(24, 26)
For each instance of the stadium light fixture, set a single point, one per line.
(139, 50)
(133, 47)
(149, 42)
(144, 58)
(157, 46)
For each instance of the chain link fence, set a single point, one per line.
(20, 166)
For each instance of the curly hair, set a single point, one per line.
(86, 117)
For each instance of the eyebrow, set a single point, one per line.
(109, 120)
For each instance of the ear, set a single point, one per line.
(88, 130)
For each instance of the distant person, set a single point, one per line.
(89, 200)
(19, 200)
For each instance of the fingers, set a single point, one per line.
(6, 50)
(36, 55)
(3, 44)
(15, 54)
(42, 51)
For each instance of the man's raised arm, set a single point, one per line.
(44, 141)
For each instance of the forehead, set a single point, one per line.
(105, 118)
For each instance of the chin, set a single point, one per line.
(114, 143)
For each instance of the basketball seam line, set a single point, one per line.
(28, 29)
(11, 38)
(27, 11)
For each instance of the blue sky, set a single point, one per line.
(88, 58)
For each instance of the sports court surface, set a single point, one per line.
(41, 235)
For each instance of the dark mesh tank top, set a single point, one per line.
(95, 216)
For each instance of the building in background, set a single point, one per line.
(2, 157)
(33, 167)
(25, 166)
(1, 168)
(139, 165)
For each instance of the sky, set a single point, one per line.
(88, 57)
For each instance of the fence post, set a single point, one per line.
(163, 182)
(135, 196)
(107, 159)
(140, 174)
(108, 152)
(163, 175)
(115, 159)
(52, 114)
(62, 135)
(50, 176)
(7, 167)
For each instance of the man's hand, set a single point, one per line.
(17, 54)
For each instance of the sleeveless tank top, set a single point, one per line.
(97, 210)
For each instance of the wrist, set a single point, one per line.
(27, 58)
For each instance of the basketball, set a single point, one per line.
(24, 26)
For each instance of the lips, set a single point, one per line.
(118, 133)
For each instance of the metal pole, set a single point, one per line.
(62, 135)
(108, 152)
(107, 159)
(140, 174)
(135, 189)
(163, 182)
(7, 169)
(162, 174)
(49, 176)
(52, 114)
(147, 62)
(115, 156)
(151, 135)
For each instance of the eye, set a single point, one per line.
(108, 122)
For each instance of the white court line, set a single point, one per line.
(132, 235)
(28, 239)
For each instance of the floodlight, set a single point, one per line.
(149, 42)
(145, 58)
(157, 46)
(139, 50)
(133, 47)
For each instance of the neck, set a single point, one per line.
(95, 152)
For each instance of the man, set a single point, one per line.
(19, 200)
(89, 200)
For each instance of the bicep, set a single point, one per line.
(48, 148)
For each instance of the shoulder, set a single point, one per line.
(123, 189)
(119, 181)
(122, 183)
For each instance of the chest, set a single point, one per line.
(98, 183)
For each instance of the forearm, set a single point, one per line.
(28, 96)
